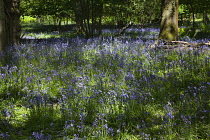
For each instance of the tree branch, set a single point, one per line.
(124, 28)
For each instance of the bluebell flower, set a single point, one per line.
(5, 136)
(38, 136)
(6, 112)
(169, 116)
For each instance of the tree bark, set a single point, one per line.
(3, 35)
(169, 21)
(205, 17)
(88, 17)
(9, 23)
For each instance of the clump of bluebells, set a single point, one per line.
(105, 88)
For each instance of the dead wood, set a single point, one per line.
(175, 44)
(187, 43)
(124, 28)
(180, 45)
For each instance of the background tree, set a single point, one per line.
(169, 20)
(88, 16)
(9, 23)
(194, 7)
(140, 12)
(3, 30)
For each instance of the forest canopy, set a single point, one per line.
(89, 15)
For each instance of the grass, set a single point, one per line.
(104, 88)
(36, 30)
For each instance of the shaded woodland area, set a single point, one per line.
(89, 16)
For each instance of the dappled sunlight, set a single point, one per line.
(108, 87)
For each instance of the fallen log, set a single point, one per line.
(185, 44)
(179, 42)
(170, 45)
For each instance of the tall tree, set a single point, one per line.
(2, 26)
(9, 23)
(169, 20)
(88, 16)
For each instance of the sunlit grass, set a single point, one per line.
(27, 19)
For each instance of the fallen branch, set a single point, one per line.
(193, 44)
(124, 28)
(184, 44)
(177, 44)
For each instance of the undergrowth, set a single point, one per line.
(104, 88)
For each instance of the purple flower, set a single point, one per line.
(41, 136)
(7, 113)
(2, 76)
(169, 116)
(111, 131)
(5, 136)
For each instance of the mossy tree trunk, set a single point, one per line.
(9, 23)
(169, 21)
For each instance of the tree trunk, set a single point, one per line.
(88, 17)
(205, 17)
(3, 29)
(169, 21)
(193, 17)
(59, 24)
(9, 23)
(100, 19)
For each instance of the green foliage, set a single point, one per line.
(139, 12)
(202, 31)
(205, 28)
(27, 19)
(186, 32)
